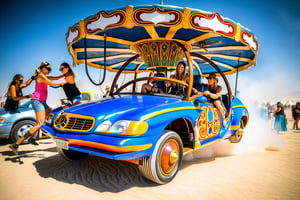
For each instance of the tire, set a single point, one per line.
(162, 166)
(236, 138)
(70, 154)
(20, 128)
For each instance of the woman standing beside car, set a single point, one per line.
(71, 90)
(14, 92)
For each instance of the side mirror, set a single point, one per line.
(200, 99)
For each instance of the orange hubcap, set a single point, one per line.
(169, 157)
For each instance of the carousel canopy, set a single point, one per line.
(154, 32)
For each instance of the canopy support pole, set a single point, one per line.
(191, 75)
(111, 92)
(237, 75)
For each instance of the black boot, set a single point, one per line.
(32, 141)
(14, 147)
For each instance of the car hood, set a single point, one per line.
(2, 111)
(125, 107)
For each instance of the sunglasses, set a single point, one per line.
(48, 68)
(21, 81)
(62, 68)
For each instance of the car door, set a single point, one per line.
(209, 123)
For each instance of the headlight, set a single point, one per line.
(124, 127)
(104, 126)
(119, 127)
(50, 118)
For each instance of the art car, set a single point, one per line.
(154, 129)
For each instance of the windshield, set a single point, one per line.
(159, 83)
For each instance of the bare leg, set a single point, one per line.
(220, 108)
(40, 118)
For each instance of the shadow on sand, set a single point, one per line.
(9, 156)
(100, 174)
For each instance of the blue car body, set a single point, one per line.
(158, 112)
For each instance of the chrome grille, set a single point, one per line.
(79, 123)
(74, 122)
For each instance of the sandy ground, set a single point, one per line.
(263, 166)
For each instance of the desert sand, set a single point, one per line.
(264, 165)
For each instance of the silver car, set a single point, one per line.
(14, 124)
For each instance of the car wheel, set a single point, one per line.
(70, 154)
(20, 128)
(236, 138)
(162, 166)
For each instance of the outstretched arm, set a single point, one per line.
(55, 77)
(45, 79)
(33, 77)
(23, 85)
(14, 94)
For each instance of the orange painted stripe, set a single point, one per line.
(107, 147)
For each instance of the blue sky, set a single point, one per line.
(34, 30)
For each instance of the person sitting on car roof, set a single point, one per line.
(213, 92)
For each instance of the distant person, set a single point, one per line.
(280, 123)
(107, 89)
(71, 90)
(296, 115)
(269, 110)
(39, 104)
(14, 92)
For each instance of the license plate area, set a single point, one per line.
(62, 144)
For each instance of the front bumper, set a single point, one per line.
(112, 147)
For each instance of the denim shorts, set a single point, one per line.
(77, 98)
(39, 105)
